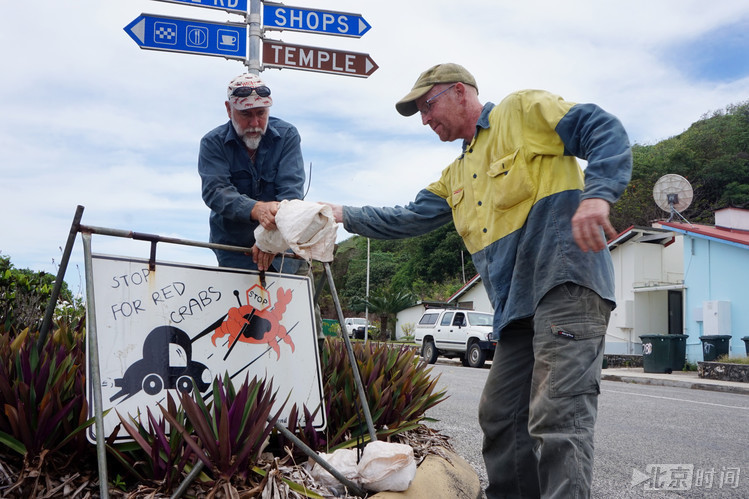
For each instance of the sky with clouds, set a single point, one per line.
(88, 118)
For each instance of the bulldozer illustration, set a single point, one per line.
(166, 364)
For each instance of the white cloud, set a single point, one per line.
(88, 118)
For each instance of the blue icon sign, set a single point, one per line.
(189, 36)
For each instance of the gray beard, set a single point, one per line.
(252, 142)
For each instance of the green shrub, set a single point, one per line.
(42, 394)
(397, 382)
(44, 416)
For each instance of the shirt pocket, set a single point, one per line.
(455, 201)
(511, 182)
(243, 181)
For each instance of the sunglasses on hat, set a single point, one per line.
(261, 91)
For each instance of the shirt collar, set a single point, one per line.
(482, 123)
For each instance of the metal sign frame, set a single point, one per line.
(92, 344)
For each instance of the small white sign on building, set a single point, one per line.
(177, 327)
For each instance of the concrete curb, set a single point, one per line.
(438, 478)
(667, 380)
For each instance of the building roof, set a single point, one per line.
(663, 235)
(466, 287)
(635, 234)
(732, 236)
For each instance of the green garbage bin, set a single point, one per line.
(330, 327)
(714, 346)
(745, 339)
(663, 353)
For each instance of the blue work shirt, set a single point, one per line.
(233, 183)
(512, 194)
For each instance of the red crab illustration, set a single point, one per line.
(251, 325)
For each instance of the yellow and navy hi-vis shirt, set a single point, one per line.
(512, 195)
(505, 170)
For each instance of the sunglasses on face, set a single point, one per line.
(261, 91)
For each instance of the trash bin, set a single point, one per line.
(663, 353)
(746, 344)
(714, 346)
(330, 327)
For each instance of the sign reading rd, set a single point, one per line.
(239, 6)
(321, 60)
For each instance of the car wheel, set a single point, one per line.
(430, 352)
(464, 360)
(152, 384)
(184, 384)
(476, 356)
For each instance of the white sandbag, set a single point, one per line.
(387, 466)
(270, 241)
(309, 229)
(343, 460)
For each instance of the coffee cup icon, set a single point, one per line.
(228, 39)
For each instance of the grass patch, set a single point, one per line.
(733, 360)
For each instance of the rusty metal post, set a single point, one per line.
(93, 353)
(49, 312)
(352, 358)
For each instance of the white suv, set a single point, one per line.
(353, 324)
(461, 333)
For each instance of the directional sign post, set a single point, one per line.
(232, 40)
(284, 55)
(174, 34)
(314, 21)
(238, 6)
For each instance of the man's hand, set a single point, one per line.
(337, 211)
(591, 216)
(264, 212)
(261, 258)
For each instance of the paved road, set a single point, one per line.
(641, 429)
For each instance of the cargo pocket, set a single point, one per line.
(576, 365)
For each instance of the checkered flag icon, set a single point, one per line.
(165, 32)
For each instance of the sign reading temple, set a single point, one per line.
(283, 55)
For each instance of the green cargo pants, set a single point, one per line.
(540, 401)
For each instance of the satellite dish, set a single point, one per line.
(673, 193)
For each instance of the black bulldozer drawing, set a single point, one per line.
(166, 363)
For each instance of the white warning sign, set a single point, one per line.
(176, 327)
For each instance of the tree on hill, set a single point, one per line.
(713, 154)
(430, 266)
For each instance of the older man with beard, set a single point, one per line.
(247, 166)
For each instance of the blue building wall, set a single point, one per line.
(715, 270)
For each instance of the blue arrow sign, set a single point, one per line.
(314, 21)
(239, 6)
(189, 36)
